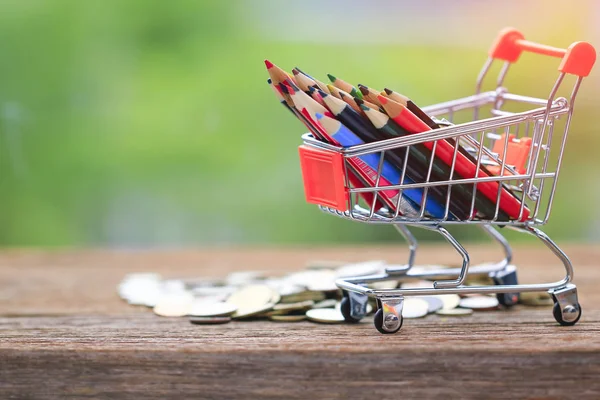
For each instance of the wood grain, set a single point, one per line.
(64, 333)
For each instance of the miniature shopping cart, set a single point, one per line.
(516, 155)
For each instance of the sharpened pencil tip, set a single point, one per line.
(388, 91)
(269, 81)
(363, 107)
(285, 88)
(311, 89)
(318, 115)
(269, 64)
(382, 99)
(295, 71)
(363, 89)
(359, 101)
(331, 78)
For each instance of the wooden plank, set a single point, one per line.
(65, 333)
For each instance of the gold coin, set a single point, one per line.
(303, 305)
(455, 312)
(209, 320)
(383, 285)
(211, 309)
(287, 318)
(325, 315)
(248, 312)
(174, 305)
(253, 299)
(536, 299)
(327, 303)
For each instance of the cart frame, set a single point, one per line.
(533, 189)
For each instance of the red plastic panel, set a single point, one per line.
(323, 176)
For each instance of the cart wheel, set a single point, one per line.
(507, 299)
(345, 307)
(571, 309)
(378, 321)
(507, 277)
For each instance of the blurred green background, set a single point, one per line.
(134, 123)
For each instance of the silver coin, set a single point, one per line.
(286, 307)
(201, 308)
(303, 296)
(240, 278)
(415, 308)
(140, 289)
(214, 291)
(286, 289)
(287, 318)
(322, 280)
(209, 320)
(143, 276)
(455, 312)
(327, 303)
(360, 269)
(435, 303)
(325, 315)
(417, 284)
(480, 303)
(174, 304)
(324, 264)
(249, 299)
(251, 312)
(383, 285)
(450, 301)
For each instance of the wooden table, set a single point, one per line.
(64, 332)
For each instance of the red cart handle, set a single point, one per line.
(578, 59)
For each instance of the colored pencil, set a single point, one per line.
(301, 100)
(350, 118)
(389, 174)
(277, 74)
(335, 91)
(279, 96)
(340, 94)
(369, 94)
(296, 71)
(367, 132)
(420, 157)
(350, 101)
(313, 92)
(462, 194)
(408, 103)
(368, 104)
(304, 82)
(465, 164)
(345, 86)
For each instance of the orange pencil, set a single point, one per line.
(309, 80)
(402, 115)
(277, 74)
(408, 103)
(369, 94)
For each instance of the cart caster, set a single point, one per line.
(354, 306)
(388, 318)
(567, 309)
(507, 276)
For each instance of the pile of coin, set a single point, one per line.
(309, 294)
